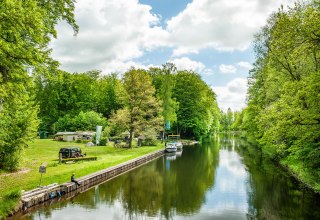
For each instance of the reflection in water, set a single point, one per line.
(179, 153)
(222, 179)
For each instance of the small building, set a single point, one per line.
(73, 136)
(66, 136)
(86, 135)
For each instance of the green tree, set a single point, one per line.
(26, 28)
(119, 122)
(163, 80)
(84, 121)
(238, 119)
(283, 106)
(198, 112)
(144, 109)
(59, 93)
(111, 95)
(226, 120)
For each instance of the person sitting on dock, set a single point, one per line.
(74, 180)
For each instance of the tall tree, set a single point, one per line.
(26, 28)
(198, 112)
(84, 121)
(144, 108)
(111, 95)
(283, 107)
(163, 79)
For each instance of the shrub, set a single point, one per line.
(103, 141)
(150, 142)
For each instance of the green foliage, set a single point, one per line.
(198, 113)
(45, 150)
(26, 28)
(238, 120)
(143, 108)
(11, 199)
(84, 121)
(111, 95)
(284, 87)
(187, 102)
(119, 122)
(103, 141)
(60, 93)
(163, 80)
(106, 132)
(226, 121)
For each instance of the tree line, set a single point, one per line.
(283, 112)
(141, 102)
(36, 96)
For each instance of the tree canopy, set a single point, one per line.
(36, 96)
(142, 105)
(26, 28)
(198, 112)
(284, 103)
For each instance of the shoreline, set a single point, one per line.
(297, 177)
(40, 151)
(35, 197)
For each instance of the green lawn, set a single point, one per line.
(41, 151)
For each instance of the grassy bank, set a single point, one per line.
(308, 177)
(46, 151)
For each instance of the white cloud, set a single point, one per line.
(186, 63)
(225, 25)
(113, 31)
(208, 72)
(232, 95)
(121, 67)
(245, 65)
(227, 68)
(181, 51)
(118, 31)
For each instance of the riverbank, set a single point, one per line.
(46, 151)
(295, 167)
(299, 173)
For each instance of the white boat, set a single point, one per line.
(179, 145)
(171, 147)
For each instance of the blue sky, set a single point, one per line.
(211, 37)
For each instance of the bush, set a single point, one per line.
(150, 142)
(10, 160)
(103, 141)
(115, 138)
(78, 141)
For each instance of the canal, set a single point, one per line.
(223, 178)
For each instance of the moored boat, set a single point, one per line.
(179, 145)
(171, 147)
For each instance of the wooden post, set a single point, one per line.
(42, 169)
